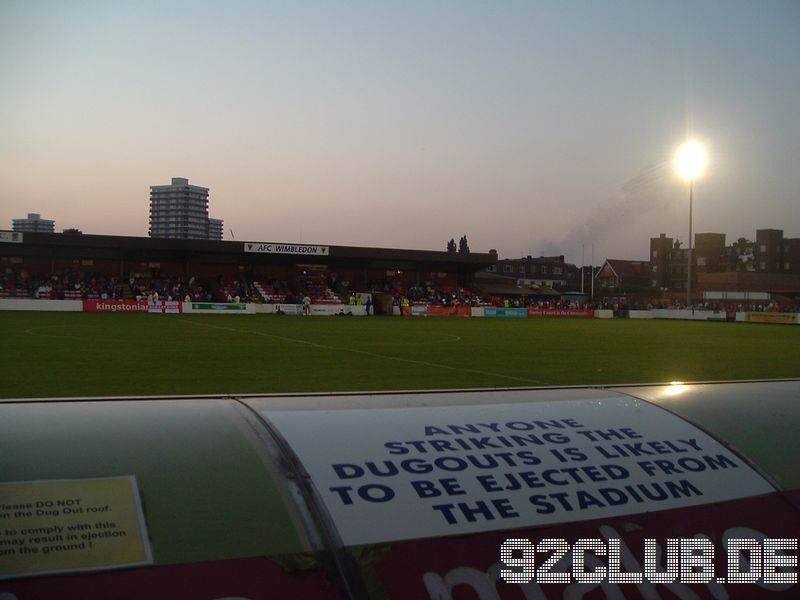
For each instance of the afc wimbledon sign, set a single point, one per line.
(274, 248)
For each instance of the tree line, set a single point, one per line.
(463, 245)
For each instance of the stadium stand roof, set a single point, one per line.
(123, 247)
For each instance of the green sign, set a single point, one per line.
(217, 306)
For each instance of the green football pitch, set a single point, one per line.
(77, 354)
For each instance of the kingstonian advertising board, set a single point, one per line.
(127, 306)
(409, 473)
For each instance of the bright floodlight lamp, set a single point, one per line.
(690, 162)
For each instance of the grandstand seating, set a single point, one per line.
(274, 291)
(322, 294)
(77, 285)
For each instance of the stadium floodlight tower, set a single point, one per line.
(690, 162)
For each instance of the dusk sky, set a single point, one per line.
(531, 127)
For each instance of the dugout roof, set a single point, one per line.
(256, 495)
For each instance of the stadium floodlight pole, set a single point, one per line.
(689, 269)
(592, 273)
(583, 264)
(690, 161)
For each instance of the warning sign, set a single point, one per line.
(423, 472)
(71, 525)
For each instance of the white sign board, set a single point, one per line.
(276, 248)
(356, 310)
(404, 473)
(14, 237)
(288, 309)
